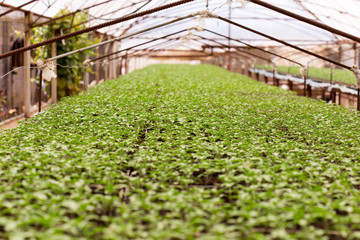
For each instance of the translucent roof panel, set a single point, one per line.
(341, 14)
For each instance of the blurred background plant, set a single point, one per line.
(69, 70)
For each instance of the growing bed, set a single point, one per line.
(340, 76)
(182, 152)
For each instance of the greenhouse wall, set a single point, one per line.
(11, 85)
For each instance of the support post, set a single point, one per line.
(120, 66)
(97, 67)
(274, 77)
(27, 94)
(323, 94)
(309, 91)
(54, 80)
(126, 64)
(106, 66)
(40, 86)
(86, 80)
(229, 53)
(355, 54)
(340, 54)
(290, 84)
(7, 66)
(358, 99)
(86, 77)
(106, 70)
(113, 62)
(339, 96)
(304, 85)
(331, 73)
(333, 96)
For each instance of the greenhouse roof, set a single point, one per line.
(338, 14)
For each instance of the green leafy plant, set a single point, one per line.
(69, 70)
(2, 106)
(341, 76)
(182, 152)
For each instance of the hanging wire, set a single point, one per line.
(33, 6)
(15, 69)
(130, 26)
(46, 4)
(109, 19)
(344, 14)
(42, 14)
(105, 14)
(330, 8)
(139, 8)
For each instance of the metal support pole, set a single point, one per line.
(120, 66)
(54, 80)
(274, 77)
(86, 78)
(16, 8)
(97, 67)
(291, 88)
(113, 63)
(304, 85)
(333, 96)
(355, 54)
(331, 73)
(323, 94)
(40, 86)
(243, 69)
(339, 97)
(229, 31)
(27, 94)
(126, 64)
(340, 54)
(309, 91)
(358, 99)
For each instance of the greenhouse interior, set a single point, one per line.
(179, 119)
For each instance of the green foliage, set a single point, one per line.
(68, 77)
(2, 105)
(341, 76)
(182, 152)
(40, 34)
(295, 70)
